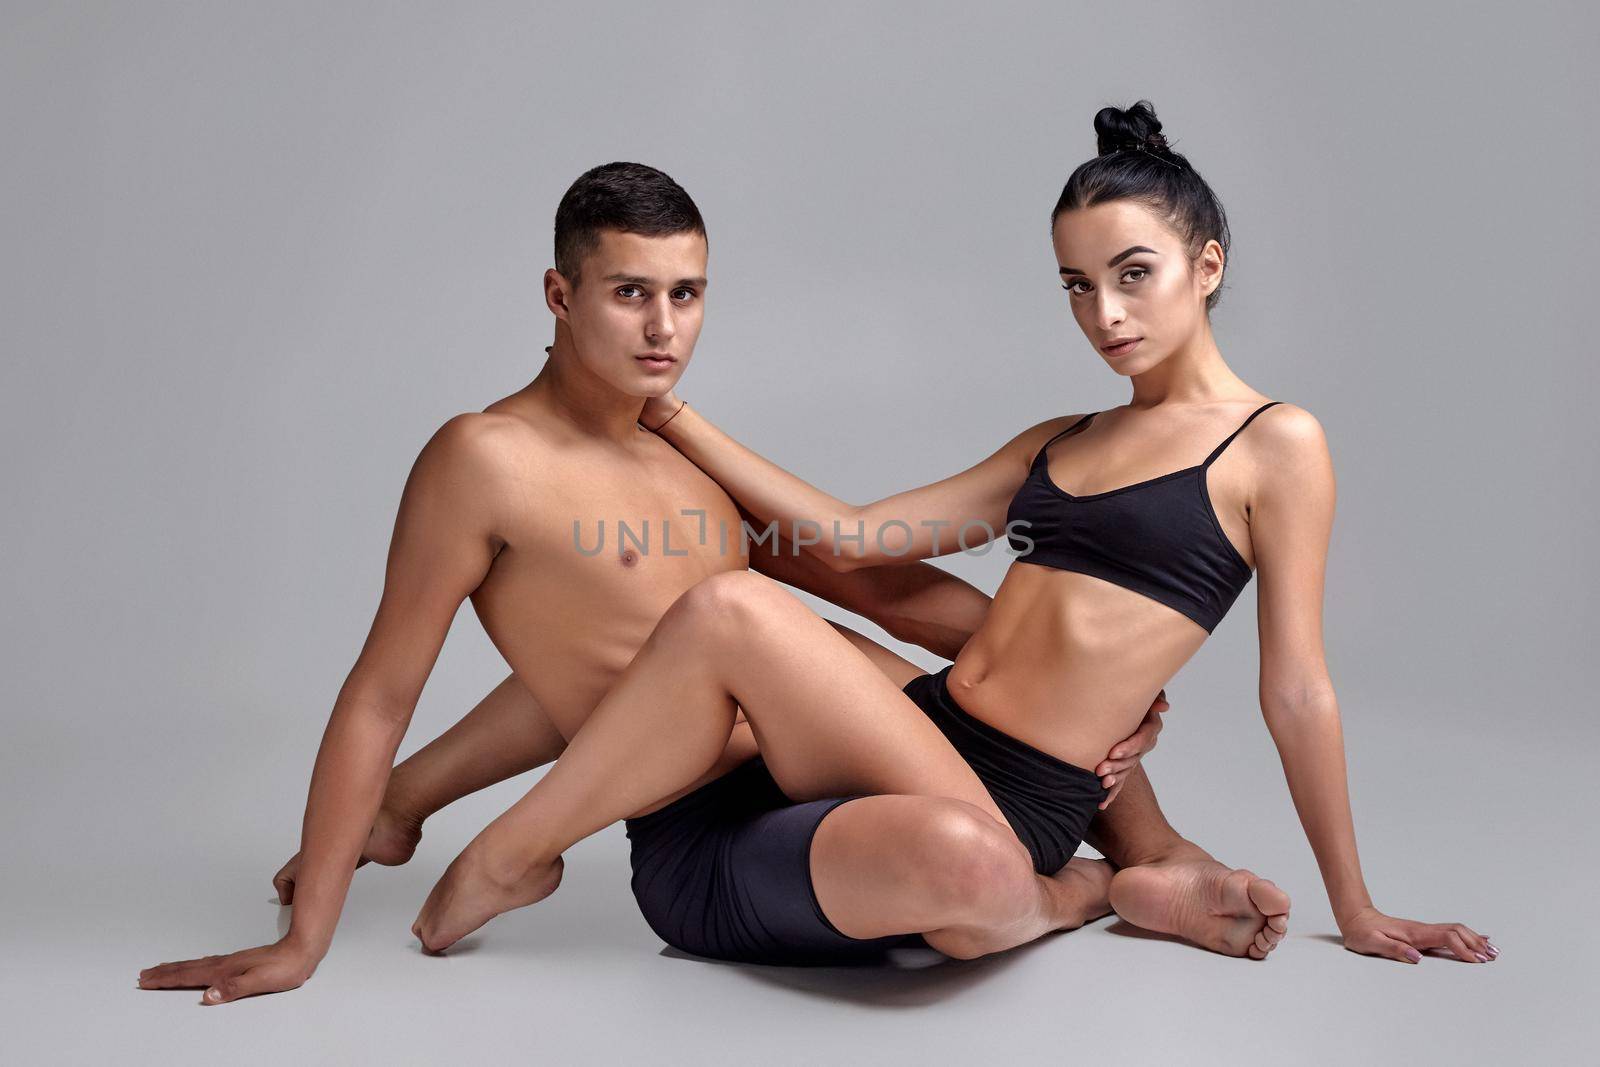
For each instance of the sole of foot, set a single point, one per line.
(1226, 910)
(466, 898)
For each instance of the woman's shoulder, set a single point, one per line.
(1290, 446)
(1289, 426)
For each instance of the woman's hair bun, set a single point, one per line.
(1117, 128)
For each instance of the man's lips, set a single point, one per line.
(657, 359)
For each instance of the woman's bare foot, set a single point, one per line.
(1202, 901)
(1085, 895)
(473, 890)
(393, 841)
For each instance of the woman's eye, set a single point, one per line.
(1072, 287)
(1140, 271)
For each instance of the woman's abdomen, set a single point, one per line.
(1070, 663)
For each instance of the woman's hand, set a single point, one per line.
(658, 409)
(1372, 933)
(1126, 754)
(268, 969)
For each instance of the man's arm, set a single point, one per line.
(442, 548)
(505, 734)
(917, 603)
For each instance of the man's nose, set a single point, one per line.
(661, 326)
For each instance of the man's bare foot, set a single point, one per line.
(394, 838)
(1204, 902)
(1086, 892)
(393, 841)
(473, 890)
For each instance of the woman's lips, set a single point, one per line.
(656, 363)
(1122, 349)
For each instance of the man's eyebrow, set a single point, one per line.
(1114, 260)
(638, 279)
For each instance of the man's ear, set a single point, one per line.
(557, 294)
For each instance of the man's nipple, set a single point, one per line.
(629, 558)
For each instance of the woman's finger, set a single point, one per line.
(1383, 945)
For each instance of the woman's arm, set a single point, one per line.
(966, 509)
(1291, 522)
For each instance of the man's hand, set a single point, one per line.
(658, 409)
(1126, 754)
(1372, 933)
(268, 969)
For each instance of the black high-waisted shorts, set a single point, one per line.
(1048, 801)
(725, 871)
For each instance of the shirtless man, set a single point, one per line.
(502, 508)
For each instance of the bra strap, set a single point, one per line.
(1062, 434)
(1218, 450)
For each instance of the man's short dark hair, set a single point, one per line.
(629, 197)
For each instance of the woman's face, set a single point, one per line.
(1128, 276)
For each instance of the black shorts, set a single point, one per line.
(725, 871)
(1048, 801)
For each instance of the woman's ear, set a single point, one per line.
(1208, 268)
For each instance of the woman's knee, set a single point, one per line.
(735, 600)
(973, 865)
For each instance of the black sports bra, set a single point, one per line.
(1159, 537)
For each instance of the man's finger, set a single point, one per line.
(1115, 766)
(230, 986)
(187, 974)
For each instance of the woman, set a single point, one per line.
(1136, 529)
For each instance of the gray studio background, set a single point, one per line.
(254, 254)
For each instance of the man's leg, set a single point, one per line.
(505, 734)
(1133, 830)
(1169, 884)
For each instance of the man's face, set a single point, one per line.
(635, 313)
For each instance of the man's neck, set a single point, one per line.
(566, 390)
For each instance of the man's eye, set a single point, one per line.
(627, 291)
(683, 294)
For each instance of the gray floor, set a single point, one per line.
(580, 978)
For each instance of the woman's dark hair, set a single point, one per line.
(1135, 163)
(629, 197)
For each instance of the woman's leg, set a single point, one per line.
(885, 865)
(828, 721)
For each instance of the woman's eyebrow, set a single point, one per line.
(1114, 260)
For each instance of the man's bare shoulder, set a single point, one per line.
(481, 444)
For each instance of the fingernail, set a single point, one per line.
(213, 996)
(1493, 951)
(1481, 957)
(1413, 955)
